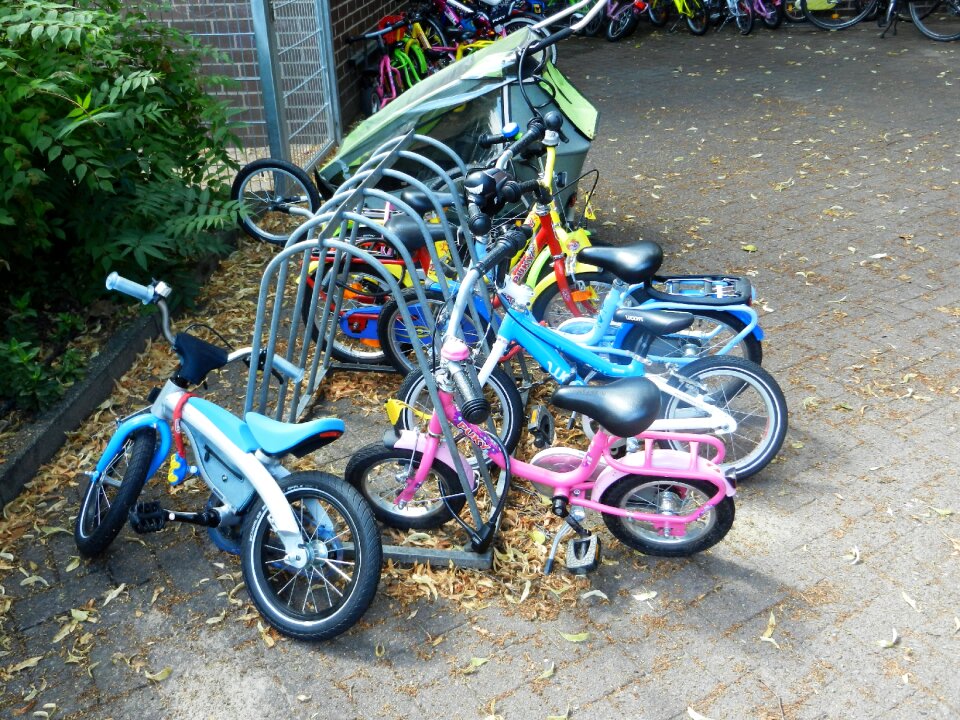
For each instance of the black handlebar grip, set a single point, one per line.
(477, 220)
(561, 34)
(514, 191)
(488, 141)
(535, 132)
(505, 248)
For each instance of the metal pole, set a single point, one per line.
(263, 29)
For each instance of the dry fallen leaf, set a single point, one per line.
(749, 248)
(909, 600)
(889, 643)
(475, 664)
(595, 593)
(694, 715)
(644, 596)
(768, 633)
(548, 673)
(112, 595)
(160, 676)
(575, 637)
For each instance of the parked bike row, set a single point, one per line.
(465, 276)
(409, 46)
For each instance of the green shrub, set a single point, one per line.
(113, 153)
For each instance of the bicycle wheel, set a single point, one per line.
(744, 17)
(710, 332)
(596, 24)
(792, 12)
(622, 25)
(698, 20)
(836, 14)
(937, 19)
(107, 501)
(667, 497)
(380, 473)
(364, 293)
(434, 32)
(587, 290)
(522, 21)
(267, 190)
(748, 393)
(500, 390)
(331, 592)
(658, 11)
(371, 99)
(397, 341)
(772, 15)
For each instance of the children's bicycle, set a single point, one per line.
(662, 502)
(310, 549)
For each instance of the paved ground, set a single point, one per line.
(835, 157)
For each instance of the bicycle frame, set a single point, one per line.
(598, 469)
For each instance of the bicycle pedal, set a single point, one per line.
(583, 555)
(147, 517)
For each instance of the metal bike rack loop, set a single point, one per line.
(321, 251)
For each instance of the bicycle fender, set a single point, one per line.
(757, 331)
(412, 440)
(127, 428)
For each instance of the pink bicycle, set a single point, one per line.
(669, 503)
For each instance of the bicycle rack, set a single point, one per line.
(288, 307)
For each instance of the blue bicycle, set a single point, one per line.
(309, 545)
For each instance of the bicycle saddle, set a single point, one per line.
(409, 233)
(279, 438)
(655, 322)
(625, 407)
(422, 203)
(634, 263)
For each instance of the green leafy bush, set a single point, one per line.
(113, 158)
(113, 153)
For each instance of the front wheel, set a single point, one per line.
(339, 535)
(380, 473)
(937, 19)
(836, 14)
(622, 25)
(267, 191)
(667, 497)
(587, 291)
(698, 19)
(744, 17)
(658, 12)
(745, 391)
(596, 24)
(500, 390)
(108, 499)
(773, 13)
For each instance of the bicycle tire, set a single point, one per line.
(505, 402)
(744, 17)
(596, 24)
(717, 326)
(622, 25)
(266, 189)
(435, 502)
(340, 535)
(371, 99)
(658, 11)
(759, 436)
(521, 21)
(94, 530)
(831, 18)
(774, 13)
(937, 19)
(792, 12)
(632, 492)
(550, 307)
(362, 283)
(698, 21)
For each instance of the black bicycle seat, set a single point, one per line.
(625, 407)
(422, 203)
(655, 322)
(409, 233)
(634, 263)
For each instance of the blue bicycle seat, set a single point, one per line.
(279, 438)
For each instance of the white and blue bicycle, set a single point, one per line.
(309, 545)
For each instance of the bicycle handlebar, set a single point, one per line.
(374, 34)
(143, 293)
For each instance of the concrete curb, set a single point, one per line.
(47, 435)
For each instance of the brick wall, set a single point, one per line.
(352, 17)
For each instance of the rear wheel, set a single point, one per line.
(773, 13)
(587, 291)
(937, 19)
(658, 11)
(380, 473)
(107, 500)
(711, 331)
(667, 497)
(698, 20)
(596, 24)
(749, 394)
(340, 538)
(836, 14)
(267, 190)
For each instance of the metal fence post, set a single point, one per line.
(263, 26)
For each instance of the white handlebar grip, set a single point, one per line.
(128, 287)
